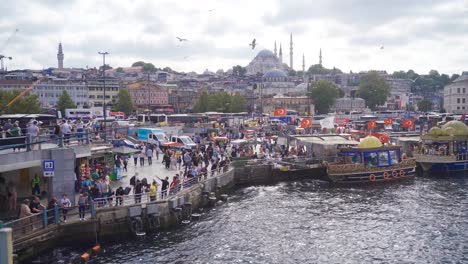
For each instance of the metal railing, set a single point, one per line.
(30, 226)
(29, 143)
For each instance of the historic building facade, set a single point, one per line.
(456, 95)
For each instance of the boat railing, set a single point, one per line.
(439, 158)
(359, 167)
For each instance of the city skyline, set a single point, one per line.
(356, 35)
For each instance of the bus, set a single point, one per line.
(78, 113)
(187, 118)
(158, 118)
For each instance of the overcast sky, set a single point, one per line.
(416, 34)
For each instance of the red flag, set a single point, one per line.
(408, 123)
(306, 122)
(388, 121)
(371, 124)
(463, 117)
(280, 112)
(383, 137)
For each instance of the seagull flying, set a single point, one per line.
(210, 10)
(181, 39)
(253, 44)
(381, 47)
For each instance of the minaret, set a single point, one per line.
(281, 54)
(276, 54)
(291, 53)
(60, 56)
(320, 56)
(303, 64)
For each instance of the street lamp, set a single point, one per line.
(104, 80)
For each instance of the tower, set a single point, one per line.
(276, 54)
(291, 53)
(303, 64)
(320, 56)
(281, 54)
(60, 56)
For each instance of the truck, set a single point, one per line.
(152, 135)
(181, 142)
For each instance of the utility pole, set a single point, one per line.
(104, 108)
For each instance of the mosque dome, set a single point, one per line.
(459, 128)
(275, 76)
(265, 54)
(370, 142)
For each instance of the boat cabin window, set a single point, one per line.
(370, 159)
(383, 159)
(393, 157)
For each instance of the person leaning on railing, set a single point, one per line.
(24, 214)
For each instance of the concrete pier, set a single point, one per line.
(115, 222)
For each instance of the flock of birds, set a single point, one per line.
(253, 44)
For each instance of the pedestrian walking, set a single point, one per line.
(149, 154)
(135, 158)
(65, 204)
(142, 159)
(82, 201)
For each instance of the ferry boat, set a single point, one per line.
(443, 149)
(370, 162)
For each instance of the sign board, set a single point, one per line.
(49, 173)
(48, 166)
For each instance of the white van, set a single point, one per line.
(276, 122)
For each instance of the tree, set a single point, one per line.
(323, 93)
(202, 103)
(239, 71)
(319, 69)
(149, 67)
(138, 63)
(400, 75)
(27, 104)
(124, 102)
(64, 102)
(238, 104)
(425, 105)
(373, 89)
(106, 67)
(219, 102)
(119, 69)
(454, 77)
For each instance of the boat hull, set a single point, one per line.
(373, 176)
(449, 167)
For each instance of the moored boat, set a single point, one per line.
(443, 149)
(370, 162)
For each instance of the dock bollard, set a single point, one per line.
(196, 216)
(223, 197)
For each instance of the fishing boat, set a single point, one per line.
(443, 149)
(370, 162)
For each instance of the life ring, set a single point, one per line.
(372, 177)
(402, 173)
(394, 174)
(385, 175)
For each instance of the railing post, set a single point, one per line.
(45, 217)
(56, 214)
(28, 143)
(6, 245)
(87, 136)
(60, 140)
(93, 209)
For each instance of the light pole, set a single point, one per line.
(104, 81)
